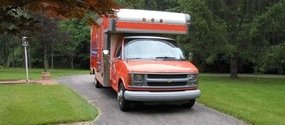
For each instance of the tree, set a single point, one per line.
(78, 34)
(17, 17)
(207, 38)
(226, 24)
(14, 18)
(8, 46)
(149, 4)
(43, 41)
(268, 29)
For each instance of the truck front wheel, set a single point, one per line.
(124, 104)
(189, 104)
(97, 84)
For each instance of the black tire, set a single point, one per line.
(97, 83)
(189, 104)
(123, 104)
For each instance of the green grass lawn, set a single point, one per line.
(38, 104)
(20, 73)
(260, 101)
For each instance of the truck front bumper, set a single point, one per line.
(161, 96)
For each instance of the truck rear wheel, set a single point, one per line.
(124, 104)
(97, 84)
(189, 104)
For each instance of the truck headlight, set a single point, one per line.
(138, 77)
(192, 79)
(192, 76)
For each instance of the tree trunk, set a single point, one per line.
(233, 68)
(8, 54)
(71, 62)
(45, 58)
(13, 57)
(8, 61)
(51, 57)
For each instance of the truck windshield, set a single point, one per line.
(152, 49)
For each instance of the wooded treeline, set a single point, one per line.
(236, 36)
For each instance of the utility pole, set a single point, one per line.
(26, 44)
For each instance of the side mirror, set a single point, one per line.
(105, 52)
(190, 56)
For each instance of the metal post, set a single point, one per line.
(25, 44)
(27, 69)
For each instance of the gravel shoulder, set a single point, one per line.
(110, 114)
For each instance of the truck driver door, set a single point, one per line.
(115, 67)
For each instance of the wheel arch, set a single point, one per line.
(119, 82)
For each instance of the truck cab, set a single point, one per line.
(142, 67)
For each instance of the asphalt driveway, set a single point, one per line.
(110, 114)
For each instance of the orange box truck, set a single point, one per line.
(129, 54)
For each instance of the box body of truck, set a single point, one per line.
(129, 54)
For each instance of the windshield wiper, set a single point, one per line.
(134, 58)
(166, 57)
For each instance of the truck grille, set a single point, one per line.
(166, 76)
(166, 80)
(166, 84)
